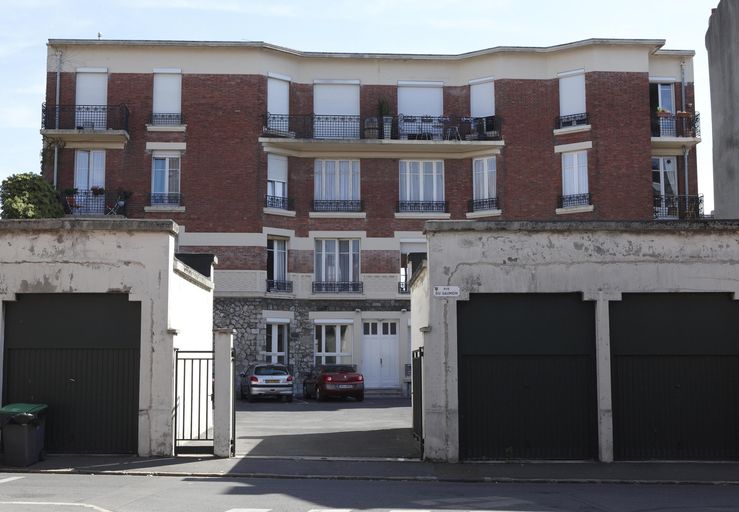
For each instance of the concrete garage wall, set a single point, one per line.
(120, 256)
(600, 260)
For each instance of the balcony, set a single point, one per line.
(166, 200)
(678, 207)
(95, 202)
(478, 205)
(338, 287)
(675, 131)
(278, 202)
(78, 126)
(422, 207)
(574, 201)
(571, 121)
(166, 119)
(340, 205)
(278, 286)
(326, 136)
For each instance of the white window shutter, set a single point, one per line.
(420, 101)
(276, 168)
(167, 93)
(572, 95)
(92, 89)
(278, 96)
(482, 99)
(336, 99)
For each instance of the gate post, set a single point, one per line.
(222, 392)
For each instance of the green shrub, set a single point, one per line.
(28, 196)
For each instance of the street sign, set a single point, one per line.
(446, 291)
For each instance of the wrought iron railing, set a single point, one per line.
(159, 199)
(338, 287)
(574, 200)
(84, 117)
(401, 127)
(477, 205)
(682, 124)
(278, 202)
(95, 202)
(166, 119)
(275, 285)
(403, 287)
(421, 206)
(339, 205)
(678, 207)
(572, 120)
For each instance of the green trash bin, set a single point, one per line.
(23, 431)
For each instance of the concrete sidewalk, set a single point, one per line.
(718, 473)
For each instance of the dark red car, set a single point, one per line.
(334, 380)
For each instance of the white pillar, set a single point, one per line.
(603, 369)
(223, 392)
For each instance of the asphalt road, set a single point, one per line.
(378, 427)
(85, 493)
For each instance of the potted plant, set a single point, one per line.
(70, 194)
(97, 191)
(383, 109)
(663, 113)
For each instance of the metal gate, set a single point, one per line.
(417, 395)
(193, 423)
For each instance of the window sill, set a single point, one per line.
(278, 211)
(166, 128)
(422, 215)
(574, 209)
(484, 213)
(164, 208)
(572, 129)
(337, 215)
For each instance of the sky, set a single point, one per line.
(395, 26)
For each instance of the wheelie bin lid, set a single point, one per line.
(12, 409)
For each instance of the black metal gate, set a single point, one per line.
(193, 424)
(417, 395)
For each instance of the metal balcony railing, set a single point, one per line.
(160, 199)
(404, 287)
(678, 207)
(572, 120)
(95, 202)
(278, 202)
(401, 127)
(574, 200)
(422, 206)
(166, 119)
(84, 117)
(682, 124)
(338, 205)
(477, 205)
(338, 287)
(276, 286)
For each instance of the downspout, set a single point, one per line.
(56, 116)
(686, 149)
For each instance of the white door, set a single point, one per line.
(91, 101)
(380, 354)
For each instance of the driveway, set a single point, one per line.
(378, 427)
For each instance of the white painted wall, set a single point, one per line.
(129, 256)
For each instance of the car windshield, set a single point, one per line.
(270, 370)
(340, 368)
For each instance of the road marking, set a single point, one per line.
(55, 504)
(11, 479)
(330, 510)
(249, 510)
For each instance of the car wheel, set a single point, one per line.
(360, 397)
(319, 395)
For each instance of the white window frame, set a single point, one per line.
(279, 253)
(272, 354)
(663, 171)
(670, 87)
(325, 189)
(319, 343)
(95, 177)
(324, 272)
(487, 167)
(167, 156)
(407, 175)
(579, 169)
(276, 185)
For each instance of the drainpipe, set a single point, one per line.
(56, 116)
(686, 149)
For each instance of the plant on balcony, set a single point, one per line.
(70, 191)
(97, 191)
(663, 113)
(124, 195)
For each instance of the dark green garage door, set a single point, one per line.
(78, 353)
(527, 377)
(675, 373)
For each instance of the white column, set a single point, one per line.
(603, 369)
(223, 386)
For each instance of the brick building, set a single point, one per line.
(311, 175)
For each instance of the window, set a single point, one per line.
(422, 185)
(166, 109)
(337, 266)
(333, 343)
(380, 328)
(483, 184)
(665, 97)
(276, 350)
(277, 266)
(277, 182)
(91, 99)
(336, 109)
(572, 109)
(165, 179)
(421, 98)
(89, 169)
(664, 176)
(575, 179)
(482, 97)
(336, 185)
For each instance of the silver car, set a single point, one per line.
(267, 379)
